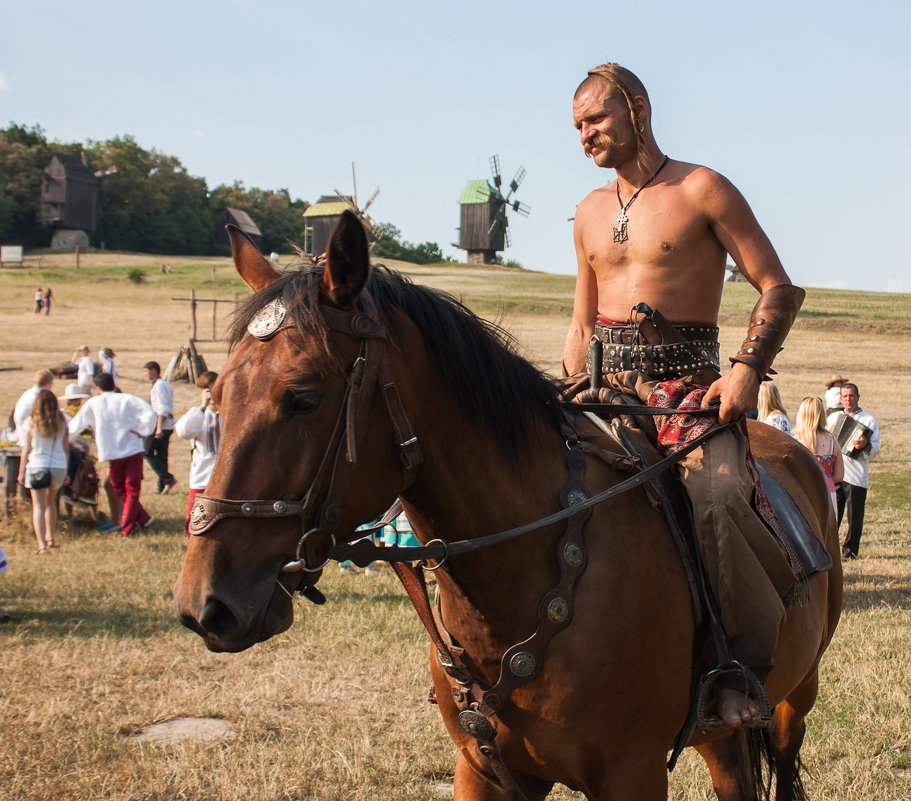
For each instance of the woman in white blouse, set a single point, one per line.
(45, 446)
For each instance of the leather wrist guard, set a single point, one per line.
(770, 322)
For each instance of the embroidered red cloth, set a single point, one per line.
(677, 430)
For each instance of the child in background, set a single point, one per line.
(202, 425)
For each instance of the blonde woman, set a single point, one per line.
(770, 409)
(811, 431)
(45, 445)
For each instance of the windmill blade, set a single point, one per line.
(507, 241)
(520, 176)
(495, 171)
(521, 208)
(347, 200)
(354, 183)
(374, 229)
(499, 221)
(372, 198)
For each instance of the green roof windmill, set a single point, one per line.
(484, 227)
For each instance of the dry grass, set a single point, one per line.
(335, 708)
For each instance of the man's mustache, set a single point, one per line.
(599, 140)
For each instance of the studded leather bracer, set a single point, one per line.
(770, 322)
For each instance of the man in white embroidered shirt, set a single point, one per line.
(156, 445)
(851, 493)
(119, 421)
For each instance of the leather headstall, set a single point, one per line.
(321, 507)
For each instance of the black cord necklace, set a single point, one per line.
(621, 234)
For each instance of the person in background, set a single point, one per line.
(833, 394)
(39, 300)
(770, 409)
(851, 493)
(85, 376)
(810, 429)
(44, 450)
(44, 379)
(47, 301)
(202, 425)
(120, 421)
(156, 444)
(106, 358)
(5, 617)
(79, 450)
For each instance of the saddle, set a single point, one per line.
(636, 436)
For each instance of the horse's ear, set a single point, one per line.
(250, 264)
(347, 263)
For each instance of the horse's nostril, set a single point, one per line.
(190, 622)
(217, 618)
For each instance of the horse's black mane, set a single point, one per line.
(476, 360)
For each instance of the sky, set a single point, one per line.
(799, 104)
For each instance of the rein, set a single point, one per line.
(363, 552)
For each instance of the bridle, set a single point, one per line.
(321, 507)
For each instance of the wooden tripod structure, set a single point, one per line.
(188, 364)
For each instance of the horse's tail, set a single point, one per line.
(762, 766)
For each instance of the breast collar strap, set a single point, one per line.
(321, 507)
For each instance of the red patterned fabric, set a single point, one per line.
(677, 430)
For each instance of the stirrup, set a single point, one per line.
(752, 688)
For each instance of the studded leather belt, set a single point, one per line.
(623, 347)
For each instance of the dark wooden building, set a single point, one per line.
(239, 218)
(479, 204)
(69, 194)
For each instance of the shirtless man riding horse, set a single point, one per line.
(656, 240)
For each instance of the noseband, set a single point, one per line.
(371, 369)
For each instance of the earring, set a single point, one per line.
(641, 127)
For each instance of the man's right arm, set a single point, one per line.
(585, 305)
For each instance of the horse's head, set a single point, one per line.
(309, 349)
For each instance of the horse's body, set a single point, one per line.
(614, 688)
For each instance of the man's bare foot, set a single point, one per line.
(735, 708)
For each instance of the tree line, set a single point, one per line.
(149, 203)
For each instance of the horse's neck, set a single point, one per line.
(468, 490)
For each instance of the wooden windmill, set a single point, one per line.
(484, 226)
(322, 217)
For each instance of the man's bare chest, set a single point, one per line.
(649, 236)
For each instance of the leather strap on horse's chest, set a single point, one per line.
(478, 702)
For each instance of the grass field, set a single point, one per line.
(335, 708)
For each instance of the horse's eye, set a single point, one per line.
(299, 404)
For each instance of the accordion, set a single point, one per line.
(846, 430)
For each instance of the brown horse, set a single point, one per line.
(348, 387)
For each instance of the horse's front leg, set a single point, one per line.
(470, 785)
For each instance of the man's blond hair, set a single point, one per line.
(43, 378)
(628, 86)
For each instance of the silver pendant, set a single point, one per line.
(620, 234)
